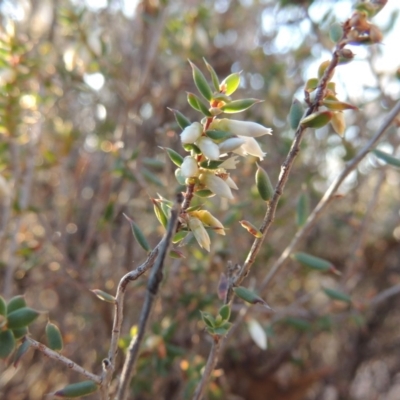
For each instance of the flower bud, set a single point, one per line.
(241, 128)
(207, 218)
(191, 133)
(199, 232)
(189, 168)
(216, 185)
(208, 148)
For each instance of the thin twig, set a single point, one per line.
(64, 360)
(153, 285)
(386, 294)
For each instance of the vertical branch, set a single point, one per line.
(152, 291)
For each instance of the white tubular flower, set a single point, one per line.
(251, 147)
(241, 128)
(189, 167)
(199, 232)
(231, 183)
(216, 185)
(207, 218)
(230, 144)
(230, 163)
(191, 133)
(208, 148)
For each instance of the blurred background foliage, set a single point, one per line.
(85, 87)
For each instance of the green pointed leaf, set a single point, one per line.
(335, 32)
(179, 236)
(175, 157)
(197, 104)
(201, 82)
(249, 296)
(21, 317)
(7, 342)
(302, 209)
(158, 211)
(205, 193)
(337, 295)
(218, 136)
(175, 253)
(213, 74)
(211, 164)
(222, 97)
(389, 159)
(338, 105)
(182, 121)
(154, 163)
(192, 147)
(104, 295)
(208, 319)
(150, 177)
(312, 261)
(239, 105)
(230, 83)
(25, 346)
(317, 119)
(225, 312)
(222, 330)
(3, 306)
(54, 338)
(77, 389)
(15, 303)
(322, 67)
(138, 234)
(20, 332)
(264, 185)
(298, 323)
(295, 114)
(311, 85)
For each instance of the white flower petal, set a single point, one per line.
(216, 185)
(199, 232)
(208, 148)
(191, 133)
(252, 147)
(230, 163)
(231, 183)
(230, 144)
(241, 128)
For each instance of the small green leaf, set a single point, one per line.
(338, 105)
(150, 177)
(174, 253)
(312, 261)
(298, 323)
(295, 114)
(20, 352)
(182, 121)
(264, 185)
(7, 342)
(249, 296)
(104, 296)
(197, 104)
(230, 83)
(302, 209)
(239, 105)
(21, 317)
(213, 74)
(218, 135)
(395, 162)
(179, 236)
(20, 332)
(192, 147)
(335, 32)
(154, 163)
(158, 211)
(3, 306)
(77, 389)
(54, 338)
(201, 82)
(323, 66)
(211, 164)
(205, 193)
(175, 157)
(225, 312)
(15, 303)
(317, 119)
(138, 234)
(311, 85)
(251, 229)
(337, 295)
(208, 319)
